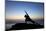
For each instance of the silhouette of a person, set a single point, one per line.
(27, 18)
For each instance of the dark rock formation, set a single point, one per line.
(20, 26)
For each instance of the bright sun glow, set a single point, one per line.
(15, 17)
(22, 17)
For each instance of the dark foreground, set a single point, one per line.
(21, 26)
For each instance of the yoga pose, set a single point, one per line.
(27, 18)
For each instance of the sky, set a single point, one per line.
(15, 9)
